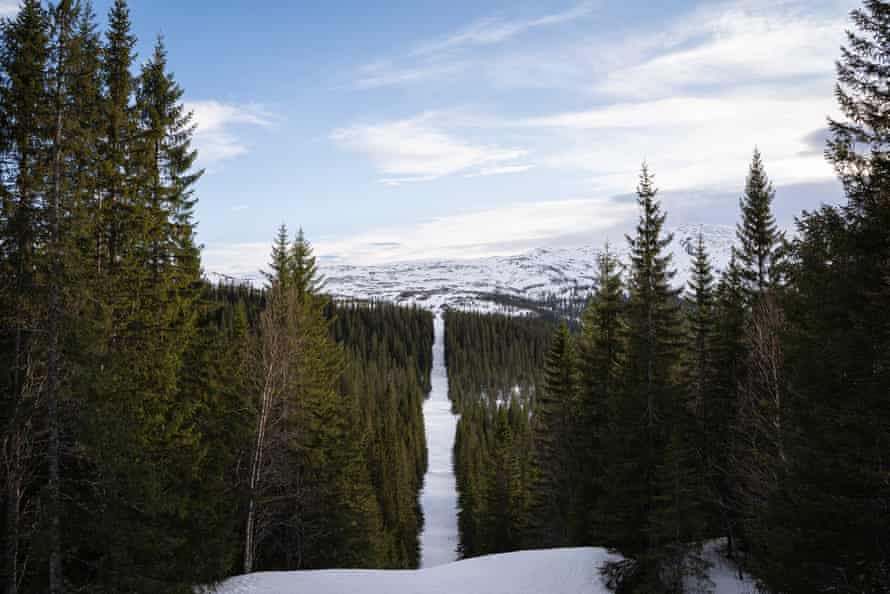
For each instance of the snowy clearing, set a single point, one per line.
(555, 571)
(438, 499)
(558, 571)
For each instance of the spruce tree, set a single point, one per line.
(280, 259)
(757, 233)
(24, 104)
(701, 324)
(557, 485)
(639, 491)
(835, 489)
(725, 376)
(602, 348)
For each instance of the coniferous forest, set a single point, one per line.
(161, 432)
(751, 405)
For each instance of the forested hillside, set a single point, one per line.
(159, 432)
(495, 368)
(751, 404)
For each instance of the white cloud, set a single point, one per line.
(415, 150)
(497, 231)
(216, 136)
(487, 171)
(692, 142)
(445, 58)
(737, 47)
(385, 73)
(9, 8)
(491, 30)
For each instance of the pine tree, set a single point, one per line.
(554, 433)
(303, 268)
(643, 415)
(701, 324)
(24, 58)
(757, 233)
(725, 376)
(602, 349)
(835, 489)
(280, 259)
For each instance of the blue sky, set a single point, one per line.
(402, 130)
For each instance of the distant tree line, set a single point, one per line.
(753, 406)
(157, 432)
(495, 370)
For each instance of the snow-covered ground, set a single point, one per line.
(558, 571)
(438, 541)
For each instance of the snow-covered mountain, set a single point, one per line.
(486, 284)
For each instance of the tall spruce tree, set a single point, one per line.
(836, 488)
(757, 233)
(24, 136)
(640, 444)
(725, 376)
(602, 350)
(556, 490)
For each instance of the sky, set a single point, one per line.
(426, 129)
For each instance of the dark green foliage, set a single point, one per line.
(602, 358)
(827, 525)
(495, 366)
(127, 417)
(555, 431)
(388, 351)
(757, 233)
(651, 515)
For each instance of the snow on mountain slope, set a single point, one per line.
(557, 571)
(476, 284)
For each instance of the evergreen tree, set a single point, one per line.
(303, 269)
(725, 376)
(117, 138)
(640, 443)
(556, 489)
(280, 259)
(835, 488)
(24, 136)
(701, 324)
(757, 233)
(602, 349)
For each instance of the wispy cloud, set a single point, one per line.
(492, 30)
(447, 57)
(415, 150)
(496, 231)
(217, 137)
(8, 8)
(731, 47)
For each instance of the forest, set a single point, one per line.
(160, 432)
(751, 405)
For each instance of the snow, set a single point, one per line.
(469, 285)
(472, 284)
(553, 571)
(723, 573)
(557, 571)
(438, 498)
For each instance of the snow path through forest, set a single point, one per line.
(438, 541)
